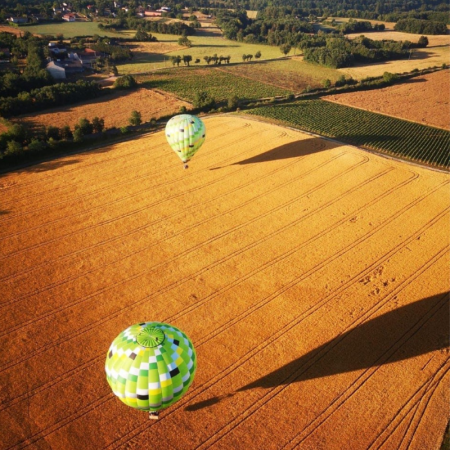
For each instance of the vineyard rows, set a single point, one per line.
(400, 138)
(186, 83)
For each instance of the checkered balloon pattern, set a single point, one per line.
(185, 134)
(150, 365)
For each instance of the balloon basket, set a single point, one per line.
(185, 166)
(154, 415)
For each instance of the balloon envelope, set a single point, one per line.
(185, 134)
(150, 365)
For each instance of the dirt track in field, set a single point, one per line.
(424, 99)
(310, 276)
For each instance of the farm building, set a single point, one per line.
(56, 70)
(60, 69)
(69, 17)
(18, 19)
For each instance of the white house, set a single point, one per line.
(18, 19)
(56, 71)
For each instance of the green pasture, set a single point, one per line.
(71, 29)
(396, 137)
(186, 82)
(201, 46)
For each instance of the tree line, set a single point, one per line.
(355, 26)
(420, 26)
(49, 96)
(177, 28)
(267, 28)
(338, 51)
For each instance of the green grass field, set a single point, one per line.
(396, 137)
(185, 82)
(71, 29)
(201, 46)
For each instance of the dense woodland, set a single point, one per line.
(388, 10)
(338, 51)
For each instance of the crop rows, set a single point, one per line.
(185, 83)
(400, 138)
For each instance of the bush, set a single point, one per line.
(124, 130)
(66, 133)
(233, 102)
(98, 125)
(18, 132)
(135, 118)
(13, 148)
(183, 110)
(85, 126)
(36, 145)
(204, 101)
(78, 135)
(125, 82)
(52, 132)
(423, 41)
(389, 77)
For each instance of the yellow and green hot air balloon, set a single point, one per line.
(150, 366)
(185, 134)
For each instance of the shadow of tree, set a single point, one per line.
(49, 165)
(385, 339)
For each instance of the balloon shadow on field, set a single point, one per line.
(394, 336)
(295, 149)
(206, 403)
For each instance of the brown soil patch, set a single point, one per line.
(115, 109)
(425, 99)
(153, 47)
(12, 30)
(310, 276)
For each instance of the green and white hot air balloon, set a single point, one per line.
(185, 134)
(150, 366)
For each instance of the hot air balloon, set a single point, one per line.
(150, 366)
(185, 134)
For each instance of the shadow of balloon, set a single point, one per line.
(295, 149)
(206, 403)
(393, 336)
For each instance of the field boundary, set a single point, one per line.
(403, 143)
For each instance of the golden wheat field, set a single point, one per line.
(312, 278)
(424, 99)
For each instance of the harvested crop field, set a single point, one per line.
(292, 74)
(115, 109)
(311, 277)
(424, 99)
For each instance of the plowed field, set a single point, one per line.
(311, 277)
(115, 109)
